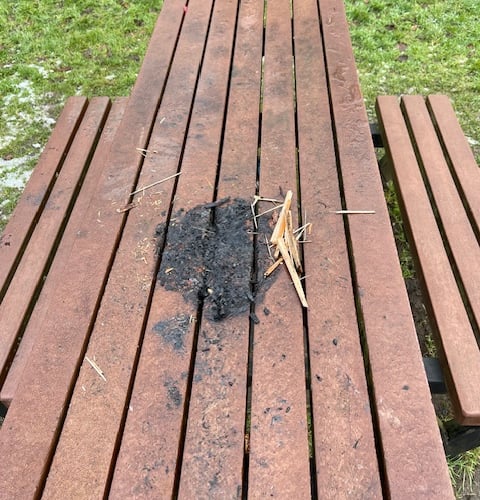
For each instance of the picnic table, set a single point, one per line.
(142, 351)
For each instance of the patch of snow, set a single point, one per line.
(37, 112)
(472, 142)
(42, 71)
(15, 173)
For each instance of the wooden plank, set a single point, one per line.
(30, 435)
(17, 232)
(463, 164)
(60, 267)
(213, 455)
(456, 337)
(401, 396)
(60, 263)
(346, 458)
(28, 279)
(278, 408)
(151, 449)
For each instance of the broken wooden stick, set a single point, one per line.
(272, 268)
(139, 190)
(293, 272)
(286, 247)
(282, 219)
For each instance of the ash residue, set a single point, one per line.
(209, 254)
(173, 330)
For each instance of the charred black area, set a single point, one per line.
(208, 255)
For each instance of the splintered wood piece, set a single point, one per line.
(292, 243)
(272, 268)
(300, 231)
(355, 212)
(282, 219)
(153, 184)
(293, 273)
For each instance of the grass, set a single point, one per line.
(50, 50)
(424, 47)
(462, 472)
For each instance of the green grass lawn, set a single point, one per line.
(424, 47)
(52, 49)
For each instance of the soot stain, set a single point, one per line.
(173, 331)
(208, 255)
(174, 395)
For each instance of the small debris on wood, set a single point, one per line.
(300, 231)
(286, 246)
(217, 203)
(126, 208)
(256, 199)
(139, 190)
(144, 152)
(95, 367)
(254, 318)
(355, 212)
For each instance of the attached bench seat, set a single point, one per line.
(438, 185)
(38, 238)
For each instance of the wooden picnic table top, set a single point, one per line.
(134, 384)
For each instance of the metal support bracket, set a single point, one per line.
(435, 378)
(376, 135)
(3, 410)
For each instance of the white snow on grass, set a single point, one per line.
(15, 173)
(32, 105)
(18, 111)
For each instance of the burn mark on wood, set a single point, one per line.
(208, 256)
(173, 331)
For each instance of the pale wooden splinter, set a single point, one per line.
(287, 247)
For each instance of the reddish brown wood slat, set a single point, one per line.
(109, 399)
(59, 268)
(214, 444)
(279, 454)
(15, 235)
(60, 263)
(15, 306)
(346, 459)
(401, 394)
(63, 334)
(153, 434)
(458, 150)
